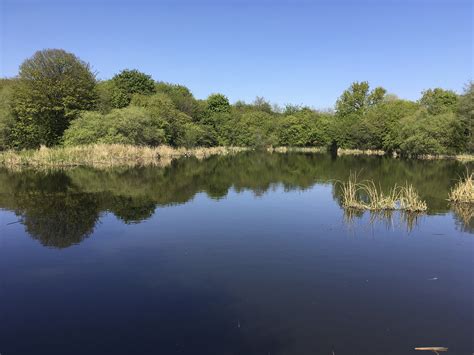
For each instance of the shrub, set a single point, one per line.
(130, 125)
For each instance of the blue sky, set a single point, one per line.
(300, 52)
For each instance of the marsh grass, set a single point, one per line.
(343, 151)
(366, 195)
(105, 156)
(409, 199)
(463, 191)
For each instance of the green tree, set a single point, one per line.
(53, 86)
(181, 96)
(423, 133)
(218, 103)
(357, 98)
(438, 101)
(160, 107)
(130, 82)
(466, 115)
(7, 120)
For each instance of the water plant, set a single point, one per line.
(366, 195)
(463, 191)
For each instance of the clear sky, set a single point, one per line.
(300, 52)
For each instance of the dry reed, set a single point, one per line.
(105, 155)
(463, 191)
(367, 196)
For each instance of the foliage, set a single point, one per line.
(466, 115)
(423, 133)
(181, 97)
(218, 103)
(438, 101)
(7, 120)
(131, 125)
(53, 86)
(127, 83)
(358, 98)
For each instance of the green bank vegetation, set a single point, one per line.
(56, 100)
(366, 195)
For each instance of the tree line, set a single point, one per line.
(56, 100)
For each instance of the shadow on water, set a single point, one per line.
(61, 208)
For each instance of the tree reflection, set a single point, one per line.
(59, 220)
(61, 208)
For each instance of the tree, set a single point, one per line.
(181, 96)
(7, 120)
(357, 99)
(130, 82)
(53, 87)
(438, 101)
(218, 103)
(466, 115)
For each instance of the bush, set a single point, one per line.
(131, 125)
(423, 133)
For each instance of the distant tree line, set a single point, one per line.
(56, 99)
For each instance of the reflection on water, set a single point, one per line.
(249, 254)
(61, 208)
(389, 218)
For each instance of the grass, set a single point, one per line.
(343, 151)
(104, 156)
(297, 149)
(367, 196)
(463, 191)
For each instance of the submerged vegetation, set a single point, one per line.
(56, 100)
(366, 195)
(463, 191)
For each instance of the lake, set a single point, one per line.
(243, 254)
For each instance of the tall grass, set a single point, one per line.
(366, 195)
(410, 200)
(463, 191)
(105, 155)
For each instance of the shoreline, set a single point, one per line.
(118, 155)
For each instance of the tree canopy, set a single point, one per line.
(56, 100)
(53, 86)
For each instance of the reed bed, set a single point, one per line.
(463, 191)
(297, 149)
(105, 155)
(366, 195)
(342, 151)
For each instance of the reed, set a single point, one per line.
(297, 149)
(410, 201)
(366, 195)
(343, 151)
(463, 191)
(105, 156)
(350, 193)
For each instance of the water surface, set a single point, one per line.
(246, 254)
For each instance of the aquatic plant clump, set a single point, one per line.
(463, 191)
(367, 196)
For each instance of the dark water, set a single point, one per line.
(250, 254)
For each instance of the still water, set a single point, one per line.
(246, 254)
